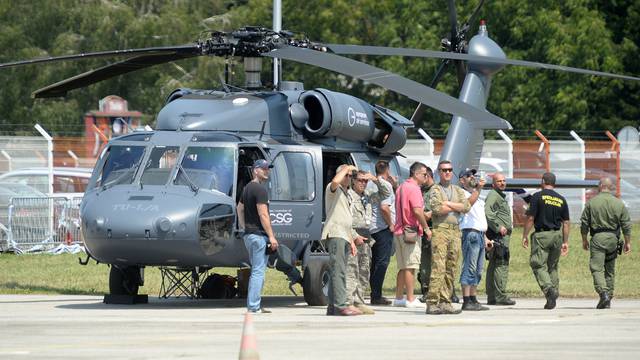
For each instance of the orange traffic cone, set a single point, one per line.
(248, 347)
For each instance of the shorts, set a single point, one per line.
(407, 255)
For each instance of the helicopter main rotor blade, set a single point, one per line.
(453, 23)
(90, 77)
(391, 81)
(461, 70)
(472, 19)
(99, 54)
(390, 51)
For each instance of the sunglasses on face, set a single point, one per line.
(362, 180)
(446, 170)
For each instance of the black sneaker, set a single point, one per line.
(472, 306)
(380, 301)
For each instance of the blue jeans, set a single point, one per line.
(380, 255)
(472, 257)
(256, 246)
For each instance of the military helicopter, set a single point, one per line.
(167, 197)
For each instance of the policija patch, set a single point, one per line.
(552, 200)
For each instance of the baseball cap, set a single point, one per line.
(262, 163)
(467, 172)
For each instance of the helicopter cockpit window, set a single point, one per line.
(121, 165)
(292, 177)
(208, 168)
(159, 165)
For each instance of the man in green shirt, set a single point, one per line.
(499, 223)
(425, 256)
(603, 217)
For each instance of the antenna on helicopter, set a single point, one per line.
(264, 122)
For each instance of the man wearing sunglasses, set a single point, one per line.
(359, 266)
(448, 202)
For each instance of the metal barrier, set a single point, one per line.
(4, 238)
(41, 223)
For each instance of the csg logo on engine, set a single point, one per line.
(281, 217)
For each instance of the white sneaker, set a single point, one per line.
(414, 304)
(399, 302)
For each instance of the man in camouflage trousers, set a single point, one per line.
(359, 265)
(498, 213)
(603, 217)
(425, 256)
(447, 203)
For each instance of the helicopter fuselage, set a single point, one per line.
(167, 197)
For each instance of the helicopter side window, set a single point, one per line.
(159, 165)
(292, 178)
(208, 168)
(121, 165)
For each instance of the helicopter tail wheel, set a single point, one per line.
(315, 282)
(124, 280)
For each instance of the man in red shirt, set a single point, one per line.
(409, 218)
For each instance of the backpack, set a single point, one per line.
(217, 286)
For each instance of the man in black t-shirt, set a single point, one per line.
(548, 213)
(253, 217)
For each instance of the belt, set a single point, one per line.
(546, 229)
(448, 226)
(473, 230)
(596, 231)
(381, 230)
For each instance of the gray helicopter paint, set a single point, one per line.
(463, 145)
(131, 224)
(223, 111)
(339, 120)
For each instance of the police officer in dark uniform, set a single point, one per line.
(549, 214)
(603, 217)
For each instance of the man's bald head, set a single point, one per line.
(606, 184)
(498, 181)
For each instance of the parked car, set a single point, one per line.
(10, 190)
(31, 222)
(65, 180)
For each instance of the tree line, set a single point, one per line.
(593, 34)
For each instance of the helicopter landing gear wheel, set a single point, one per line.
(124, 280)
(315, 282)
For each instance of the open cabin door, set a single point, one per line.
(296, 194)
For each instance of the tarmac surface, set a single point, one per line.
(81, 327)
